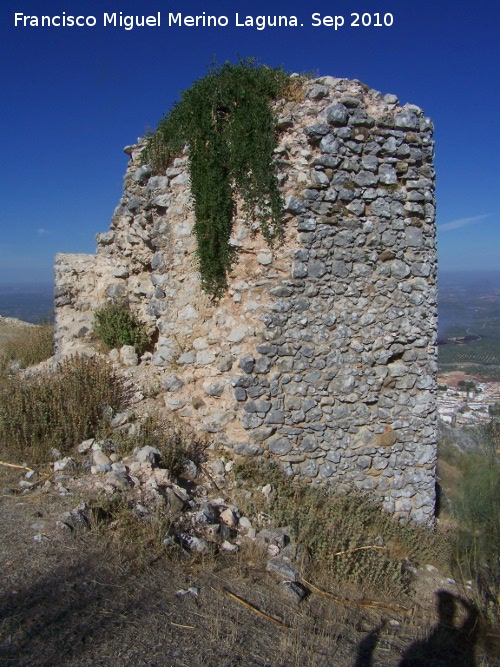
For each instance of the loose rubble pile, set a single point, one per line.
(322, 354)
(199, 522)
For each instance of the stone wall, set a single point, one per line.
(322, 354)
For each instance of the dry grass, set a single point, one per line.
(88, 598)
(26, 345)
(134, 541)
(471, 484)
(295, 88)
(56, 409)
(345, 538)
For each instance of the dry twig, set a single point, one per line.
(252, 608)
(373, 604)
(41, 481)
(351, 551)
(14, 465)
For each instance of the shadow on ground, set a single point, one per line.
(451, 643)
(95, 613)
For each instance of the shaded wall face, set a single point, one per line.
(322, 354)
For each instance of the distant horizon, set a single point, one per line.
(34, 301)
(7, 286)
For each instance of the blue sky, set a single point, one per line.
(72, 98)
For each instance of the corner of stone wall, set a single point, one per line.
(76, 294)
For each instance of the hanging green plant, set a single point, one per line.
(227, 122)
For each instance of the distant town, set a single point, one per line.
(465, 400)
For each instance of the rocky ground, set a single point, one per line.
(80, 588)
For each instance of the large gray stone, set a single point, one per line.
(407, 120)
(158, 261)
(105, 238)
(148, 454)
(251, 420)
(387, 174)
(315, 132)
(279, 446)
(316, 269)
(172, 383)
(263, 433)
(128, 356)
(247, 449)
(294, 205)
(247, 363)
(142, 174)
(330, 144)
(262, 365)
(258, 406)
(238, 334)
(117, 291)
(299, 270)
(205, 357)
(336, 114)
(283, 570)
(317, 92)
(399, 269)
(340, 269)
(275, 417)
(215, 389)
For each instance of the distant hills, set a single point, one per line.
(466, 300)
(464, 296)
(469, 323)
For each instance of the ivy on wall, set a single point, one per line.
(227, 122)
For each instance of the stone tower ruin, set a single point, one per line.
(322, 353)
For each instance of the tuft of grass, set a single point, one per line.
(174, 440)
(295, 87)
(29, 347)
(134, 540)
(116, 326)
(56, 409)
(348, 538)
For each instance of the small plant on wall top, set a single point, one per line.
(226, 121)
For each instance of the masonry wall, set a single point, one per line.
(322, 355)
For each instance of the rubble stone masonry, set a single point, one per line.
(323, 351)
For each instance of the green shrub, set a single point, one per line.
(57, 409)
(477, 507)
(226, 120)
(116, 326)
(494, 410)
